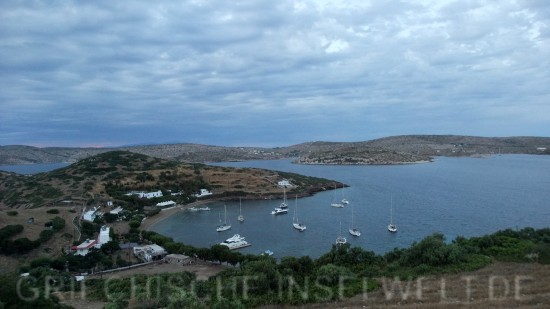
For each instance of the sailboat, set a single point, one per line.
(340, 240)
(224, 226)
(297, 225)
(392, 227)
(283, 208)
(344, 201)
(353, 230)
(241, 217)
(334, 203)
(284, 203)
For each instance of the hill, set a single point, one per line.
(388, 150)
(110, 175)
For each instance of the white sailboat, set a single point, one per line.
(334, 202)
(344, 200)
(284, 203)
(223, 226)
(241, 217)
(392, 227)
(297, 225)
(283, 208)
(353, 230)
(340, 240)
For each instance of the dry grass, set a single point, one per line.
(53, 247)
(499, 285)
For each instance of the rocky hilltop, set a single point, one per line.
(388, 150)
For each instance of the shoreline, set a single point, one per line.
(148, 222)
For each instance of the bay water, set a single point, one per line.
(453, 196)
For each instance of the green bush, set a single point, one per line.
(52, 211)
(12, 213)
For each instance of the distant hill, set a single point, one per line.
(110, 175)
(388, 150)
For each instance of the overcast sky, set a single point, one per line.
(270, 73)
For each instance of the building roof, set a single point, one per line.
(116, 211)
(85, 245)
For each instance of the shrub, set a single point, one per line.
(52, 211)
(12, 213)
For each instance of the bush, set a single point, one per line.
(134, 224)
(12, 213)
(53, 211)
(58, 223)
(10, 230)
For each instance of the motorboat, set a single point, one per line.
(235, 242)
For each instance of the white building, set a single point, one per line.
(142, 194)
(284, 183)
(204, 192)
(149, 253)
(116, 211)
(103, 237)
(90, 215)
(166, 204)
(84, 247)
(109, 203)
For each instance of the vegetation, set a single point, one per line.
(111, 175)
(24, 245)
(342, 272)
(257, 280)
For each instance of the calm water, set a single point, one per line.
(453, 196)
(28, 169)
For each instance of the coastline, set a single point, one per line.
(373, 164)
(148, 222)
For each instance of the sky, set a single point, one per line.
(270, 73)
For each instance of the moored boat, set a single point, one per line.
(235, 242)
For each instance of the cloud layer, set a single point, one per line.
(270, 73)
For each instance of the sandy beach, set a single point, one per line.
(167, 212)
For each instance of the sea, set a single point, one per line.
(452, 196)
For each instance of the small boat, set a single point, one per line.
(193, 209)
(392, 227)
(340, 240)
(224, 226)
(297, 225)
(268, 252)
(204, 208)
(353, 230)
(279, 211)
(240, 217)
(235, 242)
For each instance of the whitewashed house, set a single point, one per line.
(284, 183)
(84, 247)
(90, 215)
(116, 211)
(102, 239)
(204, 192)
(147, 195)
(166, 204)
